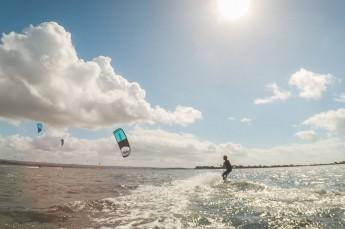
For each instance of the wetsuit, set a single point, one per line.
(228, 168)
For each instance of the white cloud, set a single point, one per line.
(246, 120)
(333, 121)
(279, 94)
(308, 135)
(310, 85)
(242, 120)
(159, 148)
(340, 98)
(42, 78)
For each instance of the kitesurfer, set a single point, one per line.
(227, 166)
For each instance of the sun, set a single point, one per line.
(233, 9)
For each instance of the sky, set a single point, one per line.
(186, 83)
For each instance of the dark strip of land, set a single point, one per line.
(266, 166)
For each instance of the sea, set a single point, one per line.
(296, 197)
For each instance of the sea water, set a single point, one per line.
(307, 197)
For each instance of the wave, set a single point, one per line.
(205, 201)
(178, 204)
(244, 186)
(149, 206)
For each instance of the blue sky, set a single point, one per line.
(182, 54)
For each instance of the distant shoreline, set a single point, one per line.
(268, 166)
(57, 165)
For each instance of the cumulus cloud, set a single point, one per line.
(308, 135)
(42, 78)
(311, 85)
(278, 95)
(160, 148)
(246, 120)
(340, 98)
(333, 121)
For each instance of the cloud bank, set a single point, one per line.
(43, 79)
(160, 148)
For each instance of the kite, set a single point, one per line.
(39, 127)
(122, 141)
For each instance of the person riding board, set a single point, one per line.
(227, 166)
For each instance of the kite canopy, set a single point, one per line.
(122, 141)
(39, 127)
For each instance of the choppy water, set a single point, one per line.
(311, 197)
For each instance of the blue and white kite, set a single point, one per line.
(122, 141)
(39, 127)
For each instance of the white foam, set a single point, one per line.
(156, 206)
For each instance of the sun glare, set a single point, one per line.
(233, 9)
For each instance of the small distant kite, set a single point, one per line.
(62, 141)
(39, 127)
(122, 141)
